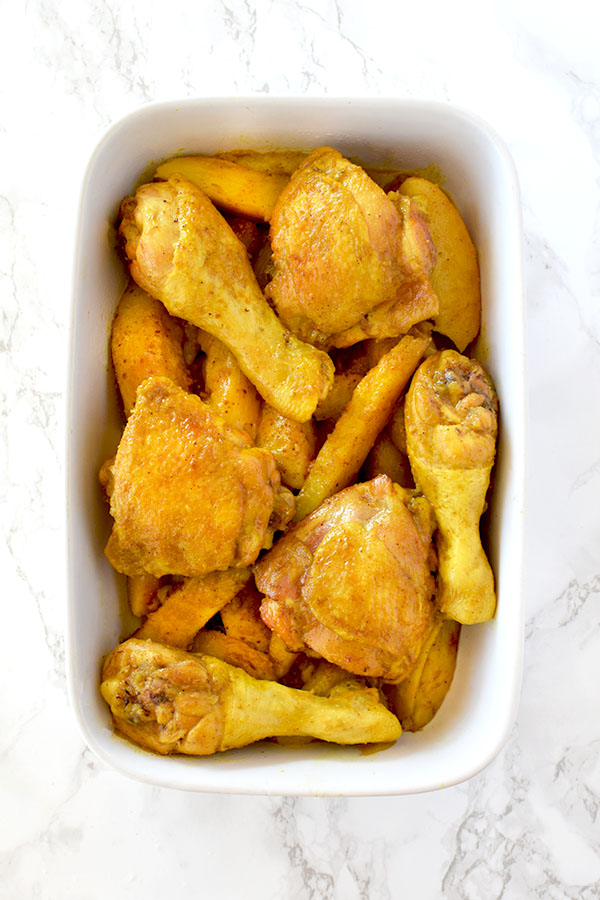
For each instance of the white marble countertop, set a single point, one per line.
(529, 825)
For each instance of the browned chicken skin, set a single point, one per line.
(349, 264)
(191, 495)
(352, 581)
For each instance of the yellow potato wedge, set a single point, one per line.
(241, 619)
(273, 162)
(417, 699)
(345, 380)
(291, 443)
(142, 593)
(235, 652)
(323, 676)
(190, 605)
(282, 658)
(231, 394)
(234, 188)
(385, 459)
(455, 277)
(145, 340)
(348, 445)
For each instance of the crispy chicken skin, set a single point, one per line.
(352, 581)
(190, 494)
(349, 264)
(171, 701)
(451, 418)
(183, 252)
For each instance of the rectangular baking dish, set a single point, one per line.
(478, 713)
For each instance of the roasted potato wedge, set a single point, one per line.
(291, 443)
(348, 445)
(417, 699)
(234, 188)
(189, 606)
(273, 162)
(231, 394)
(235, 652)
(455, 277)
(145, 340)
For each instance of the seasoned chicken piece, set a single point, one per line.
(184, 253)
(349, 264)
(352, 581)
(171, 701)
(191, 495)
(451, 416)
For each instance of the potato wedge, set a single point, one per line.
(145, 340)
(455, 277)
(231, 394)
(348, 374)
(417, 699)
(273, 162)
(235, 652)
(241, 618)
(385, 459)
(142, 591)
(348, 445)
(321, 677)
(291, 443)
(190, 605)
(234, 188)
(282, 658)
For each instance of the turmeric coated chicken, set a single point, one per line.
(451, 417)
(352, 581)
(171, 701)
(183, 252)
(190, 494)
(349, 264)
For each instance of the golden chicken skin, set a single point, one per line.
(352, 581)
(349, 263)
(183, 253)
(190, 494)
(451, 419)
(171, 701)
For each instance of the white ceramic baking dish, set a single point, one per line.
(478, 713)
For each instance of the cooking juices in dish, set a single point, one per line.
(306, 453)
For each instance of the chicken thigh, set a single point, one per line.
(349, 264)
(190, 494)
(183, 252)
(352, 581)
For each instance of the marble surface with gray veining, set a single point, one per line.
(529, 825)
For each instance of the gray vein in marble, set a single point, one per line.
(566, 608)
(334, 865)
(504, 846)
(550, 276)
(53, 639)
(314, 883)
